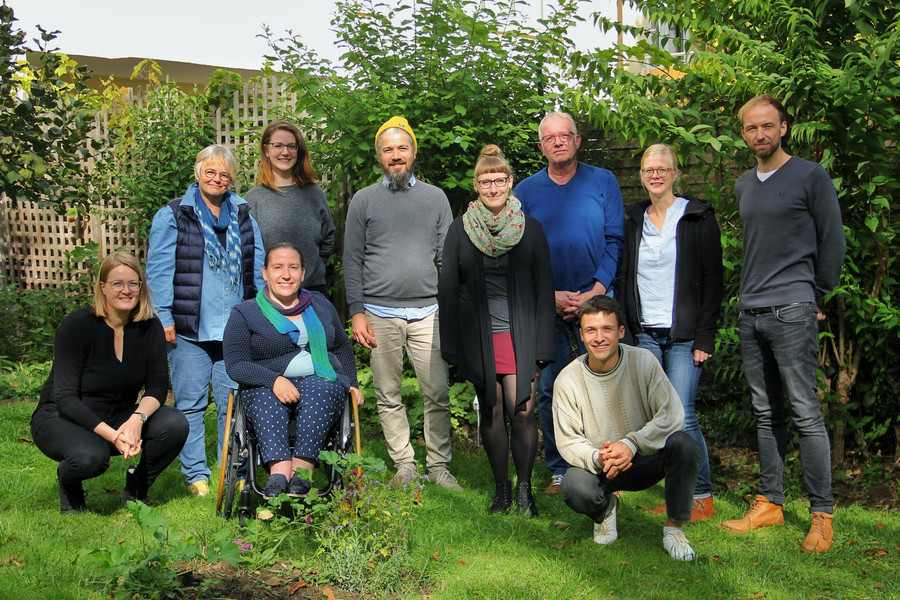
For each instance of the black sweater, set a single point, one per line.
(698, 273)
(465, 324)
(88, 384)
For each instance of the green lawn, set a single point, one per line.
(457, 549)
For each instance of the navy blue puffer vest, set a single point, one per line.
(188, 279)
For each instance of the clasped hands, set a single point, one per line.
(615, 458)
(568, 303)
(128, 439)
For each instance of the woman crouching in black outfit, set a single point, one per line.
(90, 407)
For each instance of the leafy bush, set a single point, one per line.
(153, 148)
(835, 65)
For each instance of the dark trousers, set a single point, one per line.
(83, 454)
(589, 494)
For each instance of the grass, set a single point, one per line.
(457, 549)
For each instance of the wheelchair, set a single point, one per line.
(240, 446)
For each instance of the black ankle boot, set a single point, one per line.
(525, 504)
(502, 498)
(71, 497)
(133, 490)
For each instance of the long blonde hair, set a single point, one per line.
(144, 309)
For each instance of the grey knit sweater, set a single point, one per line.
(298, 214)
(794, 241)
(634, 403)
(392, 246)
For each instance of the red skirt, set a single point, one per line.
(504, 355)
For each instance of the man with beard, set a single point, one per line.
(392, 250)
(793, 251)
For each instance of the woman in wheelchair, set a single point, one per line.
(290, 354)
(91, 407)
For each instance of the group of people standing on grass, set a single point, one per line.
(517, 293)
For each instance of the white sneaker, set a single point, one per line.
(606, 532)
(677, 545)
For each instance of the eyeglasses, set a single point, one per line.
(278, 147)
(663, 171)
(564, 138)
(134, 286)
(486, 184)
(212, 174)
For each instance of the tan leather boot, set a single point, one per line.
(820, 533)
(762, 513)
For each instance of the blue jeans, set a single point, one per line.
(565, 334)
(779, 349)
(193, 366)
(677, 360)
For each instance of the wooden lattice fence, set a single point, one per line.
(34, 239)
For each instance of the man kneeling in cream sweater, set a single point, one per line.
(619, 422)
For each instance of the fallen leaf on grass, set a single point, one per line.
(436, 556)
(326, 591)
(111, 491)
(756, 596)
(273, 581)
(623, 562)
(463, 563)
(560, 524)
(448, 551)
(24, 440)
(559, 545)
(297, 586)
(881, 552)
(717, 558)
(11, 559)
(879, 525)
(879, 586)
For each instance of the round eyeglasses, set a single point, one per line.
(134, 286)
(500, 182)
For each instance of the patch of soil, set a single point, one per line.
(220, 580)
(850, 483)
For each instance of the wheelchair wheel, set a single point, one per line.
(233, 450)
(223, 460)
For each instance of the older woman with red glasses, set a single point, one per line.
(206, 255)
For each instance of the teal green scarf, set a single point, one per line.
(317, 345)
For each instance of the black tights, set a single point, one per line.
(524, 432)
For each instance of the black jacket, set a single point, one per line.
(465, 325)
(698, 273)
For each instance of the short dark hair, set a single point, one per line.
(602, 304)
(282, 246)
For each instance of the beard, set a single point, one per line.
(767, 151)
(398, 180)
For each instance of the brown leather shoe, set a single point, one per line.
(820, 533)
(702, 509)
(762, 513)
(555, 487)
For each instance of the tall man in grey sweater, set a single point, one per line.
(620, 424)
(793, 251)
(392, 248)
